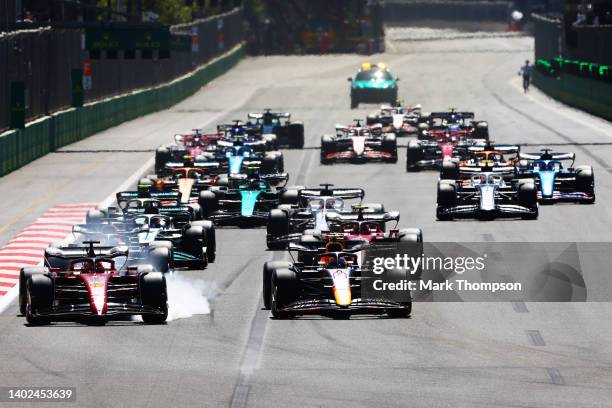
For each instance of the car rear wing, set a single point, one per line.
(469, 170)
(124, 196)
(198, 165)
(344, 193)
(363, 216)
(444, 115)
(206, 139)
(548, 156)
(268, 112)
(502, 148)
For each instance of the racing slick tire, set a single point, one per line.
(585, 182)
(296, 135)
(268, 270)
(414, 154)
(278, 226)
(327, 146)
(154, 293)
(270, 164)
(389, 144)
(194, 239)
(449, 171)
(208, 202)
(162, 156)
(39, 292)
(24, 275)
(481, 131)
(372, 119)
(410, 235)
(354, 102)
(208, 228)
(528, 197)
(284, 286)
(405, 307)
(161, 259)
(289, 196)
(222, 180)
(447, 197)
(421, 129)
(271, 142)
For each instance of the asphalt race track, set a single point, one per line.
(445, 355)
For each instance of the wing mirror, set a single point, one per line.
(350, 79)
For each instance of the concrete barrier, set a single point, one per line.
(589, 95)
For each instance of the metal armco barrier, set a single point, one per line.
(586, 94)
(19, 147)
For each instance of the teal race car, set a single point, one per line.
(373, 83)
(245, 202)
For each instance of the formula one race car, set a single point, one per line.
(290, 134)
(357, 144)
(486, 196)
(248, 134)
(244, 202)
(192, 145)
(360, 228)
(425, 154)
(308, 214)
(453, 123)
(553, 181)
(373, 83)
(188, 179)
(331, 285)
(488, 157)
(401, 121)
(93, 286)
(165, 237)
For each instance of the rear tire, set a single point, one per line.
(278, 226)
(208, 203)
(154, 293)
(414, 154)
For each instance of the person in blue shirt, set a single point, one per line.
(526, 73)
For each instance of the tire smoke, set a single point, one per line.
(187, 297)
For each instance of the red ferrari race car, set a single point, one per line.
(90, 283)
(358, 144)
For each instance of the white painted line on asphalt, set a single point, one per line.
(535, 338)
(554, 376)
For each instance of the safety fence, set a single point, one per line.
(21, 146)
(43, 61)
